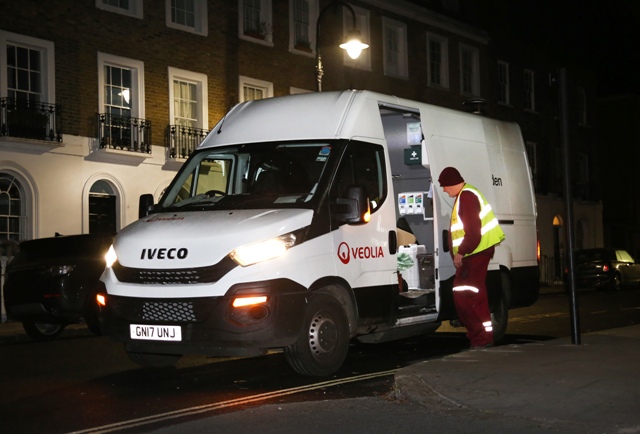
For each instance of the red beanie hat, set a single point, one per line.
(450, 176)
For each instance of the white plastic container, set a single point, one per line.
(412, 274)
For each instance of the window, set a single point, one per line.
(362, 164)
(437, 61)
(362, 24)
(11, 209)
(188, 112)
(303, 24)
(102, 209)
(255, 21)
(121, 84)
(29, 66)
(131, 8)
(529, 90)
(251, 89)
(581, 105)
(469, 70)
(395, 48)
(582, 177)
(188, 92)
(121, 104)
(503, 82)
(188, 15)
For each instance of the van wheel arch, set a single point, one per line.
(343, 293)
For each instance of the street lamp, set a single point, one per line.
(353, 44)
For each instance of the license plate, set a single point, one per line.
(155, 332)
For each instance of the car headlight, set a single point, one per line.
(263, 251)
(111, 256)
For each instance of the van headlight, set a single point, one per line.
(263, 251)
(111, 256)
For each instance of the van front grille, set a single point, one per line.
(173, 276)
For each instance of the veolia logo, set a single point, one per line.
(345, 252)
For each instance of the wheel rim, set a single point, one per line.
(323, 335)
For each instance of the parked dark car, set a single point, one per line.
(51, 282)
(605, 268)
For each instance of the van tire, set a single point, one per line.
(323, 346)
(42, 331)
(150, 360)
(500, 316)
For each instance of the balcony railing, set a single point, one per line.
(182, 140)
(30, 120)
(124, 133)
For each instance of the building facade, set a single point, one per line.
(102, 100)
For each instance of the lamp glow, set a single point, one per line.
(354, 44)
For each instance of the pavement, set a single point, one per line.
(592, 387)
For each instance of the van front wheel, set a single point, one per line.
(322, 347)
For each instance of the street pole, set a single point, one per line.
(568, 198)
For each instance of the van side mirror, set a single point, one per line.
(145, 205)
(354, 208)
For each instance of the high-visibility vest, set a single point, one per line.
(491, 232)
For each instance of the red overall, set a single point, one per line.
(469, 284)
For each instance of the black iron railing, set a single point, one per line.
(182, 140)
(124, 133)
(30, 120)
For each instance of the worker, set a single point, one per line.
(473, 234)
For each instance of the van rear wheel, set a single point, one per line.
(500, 316)
(322, 347)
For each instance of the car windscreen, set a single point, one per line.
(252, 176)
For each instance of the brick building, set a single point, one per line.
(101, 100)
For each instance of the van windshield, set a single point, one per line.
(264, 175)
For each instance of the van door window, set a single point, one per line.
(362, 165)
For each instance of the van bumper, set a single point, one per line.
(212, 325)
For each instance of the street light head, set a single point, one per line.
(354, 44)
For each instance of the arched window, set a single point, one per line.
(11, 209)
(102, 208)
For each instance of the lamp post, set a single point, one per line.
(354, 44)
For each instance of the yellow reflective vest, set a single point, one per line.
(491, 232)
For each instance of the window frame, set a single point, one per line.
(529, 85)
(200, 26)
(201, 82)
(137, 82)
(444, 61)
(313, 21)
(504, 94)
(401, 69)
(266, 18)
(243, 81)
(474, 52)
(363, 24)
(47, 59)
(134, 10)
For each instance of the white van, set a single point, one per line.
(304, 221)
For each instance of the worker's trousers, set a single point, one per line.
(470, 297)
